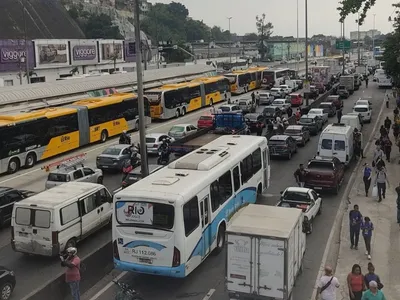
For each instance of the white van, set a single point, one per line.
(50, 222)
(365, 111)
(352, 120)
(337, 141)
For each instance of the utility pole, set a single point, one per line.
(358, 40)
(230, 42)
(373, 39)
(343, 52)
(306, 58)
(297, 47)
(26, 46)
(139, 74)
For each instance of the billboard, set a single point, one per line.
(130, 51)
(111, 50)
(11, 52)
(83, 52)
(51, 53)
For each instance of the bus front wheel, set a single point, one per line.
(13, 165)
(177, 113)
(220, 239)
(30, 160)
(103, 136)
(183, 111)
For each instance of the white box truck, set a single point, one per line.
(266, 245)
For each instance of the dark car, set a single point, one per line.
(7, 283)
(114, 157)
(324, 173)
(271, 112)
(312, 122)
(301, 134)
(136, 174)
(282, 146)
(329, 108)
(8, 196)
(343, 92)
(255, 121)
(335, 99)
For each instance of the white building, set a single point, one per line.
(370, 33)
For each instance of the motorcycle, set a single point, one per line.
(163, 153)
(131, 164)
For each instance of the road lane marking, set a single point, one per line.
(104, 289)
(209, 294)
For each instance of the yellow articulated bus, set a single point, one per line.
(28, 137)
(247, 80)
(174, 100)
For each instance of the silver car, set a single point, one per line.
(154, 140)
(73, 173)
(283, 104)
(114, 157)
(181, 130)
(320, 113)
(266, 98)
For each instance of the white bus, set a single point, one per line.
(169, 222)
(271, 78)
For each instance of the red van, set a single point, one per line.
(296, 99)
(205, 121)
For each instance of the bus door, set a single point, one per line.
(266, 168)
(206, 226)
(203, 95)
(83, 124)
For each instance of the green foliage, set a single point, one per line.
(249, 37)
(94, 26)
(264, 30)
(391, 55)
(348, 7)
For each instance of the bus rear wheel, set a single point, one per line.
(177, 113)
(103, 136)
(30, 160)
(13, 166)
(183, 112)
(220, 239)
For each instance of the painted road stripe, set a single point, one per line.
(104, 289)
(209, 294)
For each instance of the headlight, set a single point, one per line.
(11, 273)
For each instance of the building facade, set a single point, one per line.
(370, 33)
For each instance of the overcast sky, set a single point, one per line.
(322, 15)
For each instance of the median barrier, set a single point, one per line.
(96, 268)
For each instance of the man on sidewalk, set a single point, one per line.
(327, 285)
(355, 226)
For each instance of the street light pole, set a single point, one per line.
(306, 58)
(358, 40)
(373, 39)
(139, 79)
(343, 52)
(230, 42)
(297, 42)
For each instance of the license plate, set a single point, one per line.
(146, 260)
(317, 188)
(24, 234)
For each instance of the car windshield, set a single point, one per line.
(150, 140)
(325, 106)
(293, 132)
(242, 103)
(112, 151)
(277, 102)
(56, 177)
(315, 112)
(269, 110)
(206, 118)
(277, 142)
(225, 108)
(360, 109)
(294, 96)
(264, 95)
(306, 120)
(177, 129)
(362, 102)
(295, 196)
(324, 165)
(145, 214)
(251, 117)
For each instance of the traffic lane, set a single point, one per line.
(211, 274)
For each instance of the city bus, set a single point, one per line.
(28, 137)
(245, 80)
(169, 222)
(174, 100)
(271, 78)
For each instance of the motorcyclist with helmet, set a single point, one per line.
(124, 138)
(164, 152)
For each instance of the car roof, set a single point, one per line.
(319, 109)
(361, 105)
(330, 103)
(298, 189)
(155, 135)
(275, 88)
(118, 146)
(183, 125)
(271, 106)
(67, 170)
(228, 105)
(279, 100)
(295, 94)
(279, 137)
(322, 159)
(4, 189)
(295, 127)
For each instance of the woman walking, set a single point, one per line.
(367, 178)
(380, 181)
(367, 227)
(356, 283)
(398, 203)
(371, 276)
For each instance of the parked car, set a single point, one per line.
(114, 157)
(282, 146)
(246, 106)
(205, 121)
(365, 111)
(79, 173)
(329, 108)
(301, 134)
(230, 108)
(278, 93)
(271, 112)
(364, 102)
(7, 283)
(154, 140)
(335, 99)
(9, 196)
(312, 122)
(283, 104)
(343, 92)
(324, 173)
(181, 130)
(320, 113)
(266, 98)
(136, 174)
(255, 121)
(296, 99)
(302, 198)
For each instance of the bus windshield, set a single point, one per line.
(231, 78)
(145, 214)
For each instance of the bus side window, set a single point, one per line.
(236, 178)
(191, 215)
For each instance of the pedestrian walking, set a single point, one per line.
(327, 285)
(396, 130)
(253, 98)
(373, 293)
(367, 175)
(387, 147)
(72, 274)
(371, 276)
(355, 218)
(398, 203)
(387, 124)
(366, 82)
(339, 114)
(377, 159)
(356, 283)
(383, 131)
(289, 112)
(380, 182)
(300, 175)
(395, 113)
(258, 99)
(298, 114)
(367, 227)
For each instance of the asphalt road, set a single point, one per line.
(210, 276)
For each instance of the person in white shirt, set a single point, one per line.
(327, 285)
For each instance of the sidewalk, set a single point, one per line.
(385, 243)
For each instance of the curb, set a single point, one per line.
(333, 242)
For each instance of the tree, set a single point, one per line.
(249, 37)
(264, 30)
(348, 7)
(391, 56)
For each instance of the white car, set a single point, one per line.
(365, 111)
(266, 98)
(230, 108)
(319, 112)
(302, 198)
(283, 104)
(154, 141)
(287, 89)
(277, 92)
(364, 102)
(179, 131)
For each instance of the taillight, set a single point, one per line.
(54, 237)
(115, 250)
(12, 233)
(176, 259)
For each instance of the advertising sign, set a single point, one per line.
(83, 52)
(111, 50)
(51, 53)
(130, 50)
(134, 212)
(13, 55)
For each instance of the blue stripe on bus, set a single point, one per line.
(148, 244)
(178, 272)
